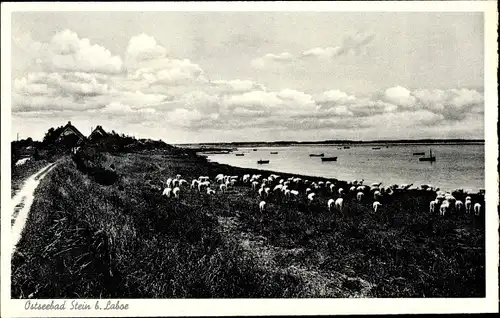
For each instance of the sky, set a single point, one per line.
(188, 77)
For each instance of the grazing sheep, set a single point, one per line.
(477, 209)
(308, 190)
(203, 184)
(169, 182)
(176, 192)
(167, 192)
(444, 208)
(287, 193)
(182, 181)
(376, 195)
(255, 184)
(267, 190)
(360, 196)
(376, 205)
(262, 206)
(330, 204)
(433, 205)
(352, 189)
(341, 191)
(178, 176)
(210, 191)
(294, 192)
(175, 182)
(223, 188)
(468, 205)
(311, 195)
(332, 187)
(194, 183)
(278, 187)
(459, 206)
(339, 204)
(468, 198)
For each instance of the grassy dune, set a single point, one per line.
(83, 239)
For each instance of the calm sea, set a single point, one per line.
(456, 166)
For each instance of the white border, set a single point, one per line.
(223, 307)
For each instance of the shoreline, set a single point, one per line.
(310, 177)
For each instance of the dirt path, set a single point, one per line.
(318, 283)
(21, 203)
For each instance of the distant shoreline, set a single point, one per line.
(336, 142)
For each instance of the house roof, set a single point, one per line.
(73, 129)
(98, 131)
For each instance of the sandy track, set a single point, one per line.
(21, 203)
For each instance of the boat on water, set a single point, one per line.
(262, 161)
(274, 152)
(347, 147)
(430, 158)
(254, 149)
(329, 159)
(419, 153)
(375, 147)
(316, 155)
(339, 148)
(240, 154)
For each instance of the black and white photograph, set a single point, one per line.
(208, 154)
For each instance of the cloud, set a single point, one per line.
(352, 44)
(143, 48)
(399, 96)
(270, 59)
(237, 85)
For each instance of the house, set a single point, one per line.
(97, 133)
(71, 136)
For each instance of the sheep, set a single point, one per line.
(203, 184)
(341, 191)
(182, 181)
(278, 187)
(477, 209)
(266, 191)
(352, 189)
(432, 206)
(169, 182)
(223, 188)
(194, 183)
(210, 191)
(444, 208)
(332, 187)
(360, 196)
(376, 195)
(294, 192)
(468, 198)
(178, 176)
(376, 184)
(405, 186)
(376, 205)
(167, 192)
(310, 197)
(468, 205)
(175, 182)
(308, 190)
(262, 206)
(220, 175)
(339, 204)
(330, 204)
(459, 206)
(254, 185)
(176, 192)
(287, 193)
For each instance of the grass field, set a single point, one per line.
(88, 240)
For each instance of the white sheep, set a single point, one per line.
(444, 208)
(341, 191)
(255, 184)
(468, 205)
(432, 206)
(210, 191)
(267, 190)
(330, 204)
(167, 192)
(178, 176)
(203, 184)
(169, 182)
(376, 195)
(262, 206)
(311, 195)
(360, 196)
(308, 190)
(477, 209)
(176, 192)
(376, 185)
(294, 192)
(376, 205)
(175, 182)
(278, 187)
(352, 189)
(261, 191)
(459, 206)
(287, 193)
(223, 188)
(332, 187)
(194, 183)
(182, 182)
(339, 204)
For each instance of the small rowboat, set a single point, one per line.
(347, 147)
(316, 155)
(430, 158)
(274, 152)
(375, 147)
(329, 159)
(240, 154)
(262, 161)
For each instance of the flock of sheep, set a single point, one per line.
(291, 188)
